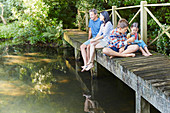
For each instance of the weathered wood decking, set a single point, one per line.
(149, 77)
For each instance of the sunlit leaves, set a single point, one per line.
(31, 21)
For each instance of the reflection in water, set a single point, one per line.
(47, 80)
(91, 106)
(36, 80)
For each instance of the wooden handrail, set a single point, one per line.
(143, 10)
(137, 6)
(156, 20)
(151, 5)
(159, 35)
(134, 16)
(128, 7)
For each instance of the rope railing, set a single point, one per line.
(143, 10)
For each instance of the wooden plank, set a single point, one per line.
(157, 76)
(150, 67)
(166, 69)
(141, 61)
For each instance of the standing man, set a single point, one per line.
(94, 27)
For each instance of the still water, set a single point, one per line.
(48, 80)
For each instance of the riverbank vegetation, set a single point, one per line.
(43, 21)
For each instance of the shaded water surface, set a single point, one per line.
(47, 80)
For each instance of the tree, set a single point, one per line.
(2, 13)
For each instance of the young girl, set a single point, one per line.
(134, 33)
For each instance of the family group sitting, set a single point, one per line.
(115, 42)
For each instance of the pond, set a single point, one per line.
(48, 80)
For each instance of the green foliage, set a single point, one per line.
(153, 28)
(32, 22)
(163, 44)
(64, 10)
(53, 33)
(86, 5)
(43, 20)
(8, 31)
(8, 5)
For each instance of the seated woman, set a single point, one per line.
(101, 40)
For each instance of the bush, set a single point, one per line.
(32, 23)
(163, 44)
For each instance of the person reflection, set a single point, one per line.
(91, 106)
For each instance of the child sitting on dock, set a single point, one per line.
(134, 33)
(118, 40)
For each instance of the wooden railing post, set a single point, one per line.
(114, 17)
(143, 21)
(79, 16)
(87, 21)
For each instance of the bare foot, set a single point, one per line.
(149, 54)
(145, 54)
(84, 68)
(89, 66)
(111, 57)
(130, 55)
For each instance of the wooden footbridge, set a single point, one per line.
(149, 76)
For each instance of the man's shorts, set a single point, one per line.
(88, 41)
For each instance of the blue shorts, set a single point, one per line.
(117, 49)
(88, 41)
(142, 44)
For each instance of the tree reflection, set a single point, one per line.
(34, 68)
